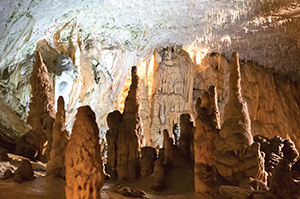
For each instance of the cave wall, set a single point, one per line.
(273, 99)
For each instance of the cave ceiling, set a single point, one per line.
(263, 31)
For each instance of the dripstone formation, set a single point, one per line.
(42, 113)
(124, 136)
(56, 165)
(84, 172)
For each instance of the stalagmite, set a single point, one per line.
(148, 156)
(186, 140)
(56, 167)
(42, 113)
(236, 129)
(84, 172)
(125, 136)
(206, 133)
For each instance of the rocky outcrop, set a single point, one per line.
(124, 136)
(84, 172)
(42, 113)
(56, 164)
(173, 91)
(205, 135)
(24, 172)
(148, 157)
(186, 139)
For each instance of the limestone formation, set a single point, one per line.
(42, 113)
(171, 154)
(158, 175)
(205, 135)
(235, 151)
(236, 129)
(114, 120)
(125, 136)
(176, 134)
(173, 91)
(84, 172)
(148, 157)
(186, 140)
(24, 172)
(56, 167)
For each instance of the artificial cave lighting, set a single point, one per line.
(149, 99)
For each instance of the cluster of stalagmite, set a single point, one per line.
(42, 113)
(124, 136)
(84, 171)
(55, 166)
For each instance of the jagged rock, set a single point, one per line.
(55, 166)
(186, 140)
(148, 156)
(235, 192)
(3, 155)
(42, 112)
(282, 185)
(171, 154)
(145, 112)
(24, 172)
(26, 145)
(289, 151)
(84, 172)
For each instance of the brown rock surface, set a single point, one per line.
(148, 157)
(186, 140)
(84, 172)
(42, 113)
(24, 172)
(56, 165)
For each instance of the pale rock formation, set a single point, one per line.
(59, 45)
(173, 92)
(236, 129)
(42, 112)
(145, 113)
(84, 172)
(272, 99)
(24, 172)
(235, 152)
(56, 165)
(148, 157)
(186, 140)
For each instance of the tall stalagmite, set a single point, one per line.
(124, 136)
(42, 113)
(206, 133)
(84, 172)
(236, 129)
(129, 139)
(56, 165)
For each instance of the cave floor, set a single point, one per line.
(180, 185)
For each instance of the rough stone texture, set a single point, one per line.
(186, 140)
(125, 136)
(84, 172)
(24, 172)
(148, 157)
(158, 175)
(282, 184)
(145, 113)
(56, 164)
(173, 86)
(42, 113)
(205, 134)
(272, 99)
